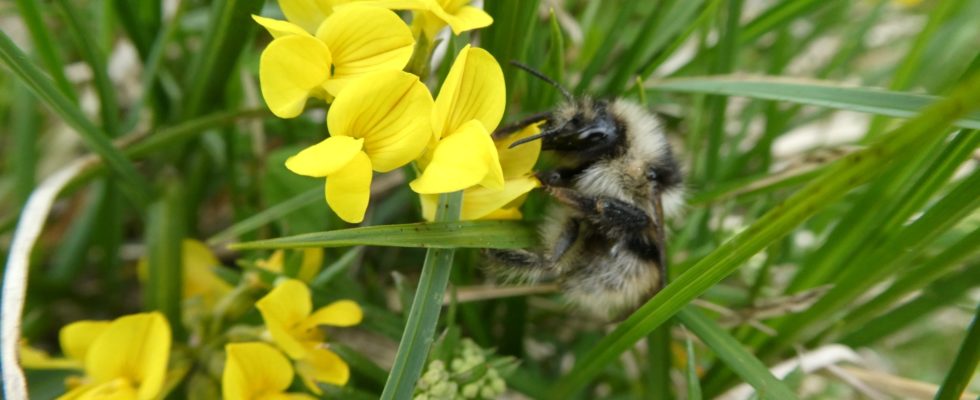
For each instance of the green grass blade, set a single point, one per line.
(735, 355)
(841, 177)
(441, 235)
(45, 46)
(24, 124)
(426, 306)
(226, 37)
(904, 75)
(165, 231)
(875, 266)
(510, 35)
(933, 269)
(95, 139)
(608, 44)
(691, 377)
(675, 18)
(96, 60)
(941, 293)
(875, 101)
(965, 365)
(268, 215)
(657, 383)
(715, 106)
(777, 16)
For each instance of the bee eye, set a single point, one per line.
(652, 175)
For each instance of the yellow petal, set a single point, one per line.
(323, 366)
(199, 277)
(518, 161)
(338, 313)
(326, 157)
(308, 14)
(465, 158)
(311, 264)
(465, 19)
(429, 202)
(34, 358)
(474, 89)
(291, 69)
(135, 348)
(285, 307)
(278, 28)
(274, 263)
(254, 369)
(504, 213)
(395, 122)
(478, 202)
(396, 4)
(364, 40)
(77, 337)
(116, 389)
(348, 191)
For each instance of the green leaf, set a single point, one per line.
(838, 179)
(441, 235)
(729, 350)
(420, 327)
(824, 94)
(965, 366)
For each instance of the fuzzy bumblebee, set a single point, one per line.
(616, 180)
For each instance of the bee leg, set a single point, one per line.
(614, 216)
(517, 264)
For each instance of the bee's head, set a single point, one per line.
(583, 127)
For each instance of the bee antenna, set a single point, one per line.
(538, 74)
(531, 138)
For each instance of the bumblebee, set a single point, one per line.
(616, 180)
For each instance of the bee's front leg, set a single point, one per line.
(614, 216)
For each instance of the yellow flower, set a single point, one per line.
(380, 123)
(485, 203)
(256, 370)
(200, 280)
(468, 108)
(288, 314)
(123, 359)
(310, 264)
(352, 41)
(458, 14)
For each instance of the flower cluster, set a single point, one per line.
(473, 373)
(352, 54)
(129, 358)
(122, 359)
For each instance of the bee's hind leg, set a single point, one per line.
(517, 264)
